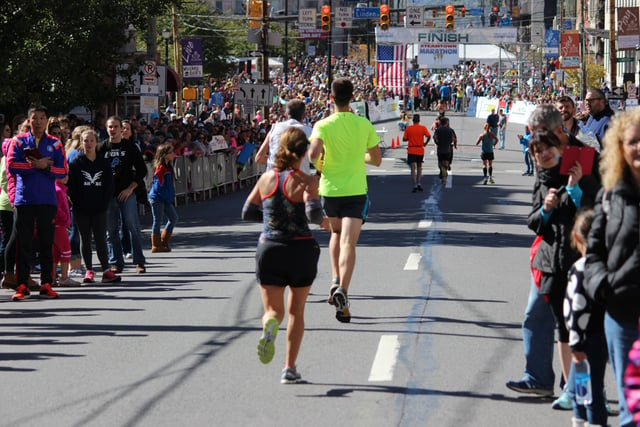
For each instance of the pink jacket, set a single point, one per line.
(63, 216)
(11, 179)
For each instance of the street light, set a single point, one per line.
(166, 35)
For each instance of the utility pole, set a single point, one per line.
(265, 50)
(329, 76)
(177, 60)
(613, 63)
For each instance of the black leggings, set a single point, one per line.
(87, 224)
(555, 287)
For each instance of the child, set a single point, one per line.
(161, 197)
(486, 152)
(524, 142)
(585, 322)
(61, 245)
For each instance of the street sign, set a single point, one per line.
(254, 94)
(628, 59)
(149, 90)
(150, 72)
(307, 18)
(255, 53)
(415, 16)
(366, 13)
(617, 90)
(344, 17)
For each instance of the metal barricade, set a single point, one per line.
(197, 176)
(180, 177)
(207, 178)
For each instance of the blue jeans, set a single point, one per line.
(128, 211)
(620, 338)
(596, 412)
(502, 134)
(538, 328)
(528, 162)
(159, 210)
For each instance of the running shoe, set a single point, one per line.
(89, 277)
(47, 292)
(529, 387)
(332, 290)
(110, 277)
(414, 189)
(491, 181)
(22, 292)
(419, 187)
(76, 273)
(485, 181)
(266, 345)
(563, 402)
(68, 282)
(341, 301)
(290, 376)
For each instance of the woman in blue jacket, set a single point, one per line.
(161, 198)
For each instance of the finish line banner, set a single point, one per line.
(492, 35)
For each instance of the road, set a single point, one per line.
(439, 290)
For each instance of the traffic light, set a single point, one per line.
(384, 17)
(463, 11)
(449, 20)
(325, 19)
(254, 13)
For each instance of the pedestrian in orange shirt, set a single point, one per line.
(415, 136)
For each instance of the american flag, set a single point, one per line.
(392, 69)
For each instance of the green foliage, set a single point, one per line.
(594, 74)
(61, 53)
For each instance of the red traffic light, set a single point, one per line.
(463, 11)
(325, 19)
(384, 17)
(449, 9)
(495, 9)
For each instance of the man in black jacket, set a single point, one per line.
(129, 171)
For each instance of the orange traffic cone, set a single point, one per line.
(398, 142)
(393, 143)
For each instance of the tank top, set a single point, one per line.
(283, 219)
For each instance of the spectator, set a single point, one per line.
(37, 160)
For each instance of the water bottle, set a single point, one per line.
(583, 383)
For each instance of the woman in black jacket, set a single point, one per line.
(556, 200)
(612, 269)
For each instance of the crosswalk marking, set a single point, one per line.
(385, 360)
(413, 261)
(425, 223)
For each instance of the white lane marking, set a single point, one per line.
(449, 180)
(413, 261)
(425, 223)
(385, 360)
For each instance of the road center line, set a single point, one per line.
(413, 261)
(385, 360)
(425, 223)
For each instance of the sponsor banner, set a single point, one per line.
(628, 27)
(434, 55)
(570, 49)
(491, 35)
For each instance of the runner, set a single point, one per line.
(338, 143)
(415, 135)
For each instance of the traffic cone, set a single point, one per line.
(398, 142)
(393, 143)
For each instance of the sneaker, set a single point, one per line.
(266, 345)
(610, 411)
(22, 292)
(526, 173)
(528, 387)
(128, 256)
(419, 187)
(335, 284)
(484, 181)
(290, 376)
(9, 281)
(76, 274)
(47, 292)
(89, 277)
(564, 402)
(491, 181)
(414, 189)
(341, 301)
(110, 277)
(68, 282)
(140, 269)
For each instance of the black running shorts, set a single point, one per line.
(293, 263)
(415, 158)
(346, 207)
(486, 156)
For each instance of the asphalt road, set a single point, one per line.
(439, 290)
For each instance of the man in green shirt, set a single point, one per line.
(341, 144)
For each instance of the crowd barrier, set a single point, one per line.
(203, 177)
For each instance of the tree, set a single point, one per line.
(62, 53)
(594, 74)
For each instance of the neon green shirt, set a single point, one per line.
(346, 138)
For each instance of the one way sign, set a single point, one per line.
(254, 94)
(415, 16)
